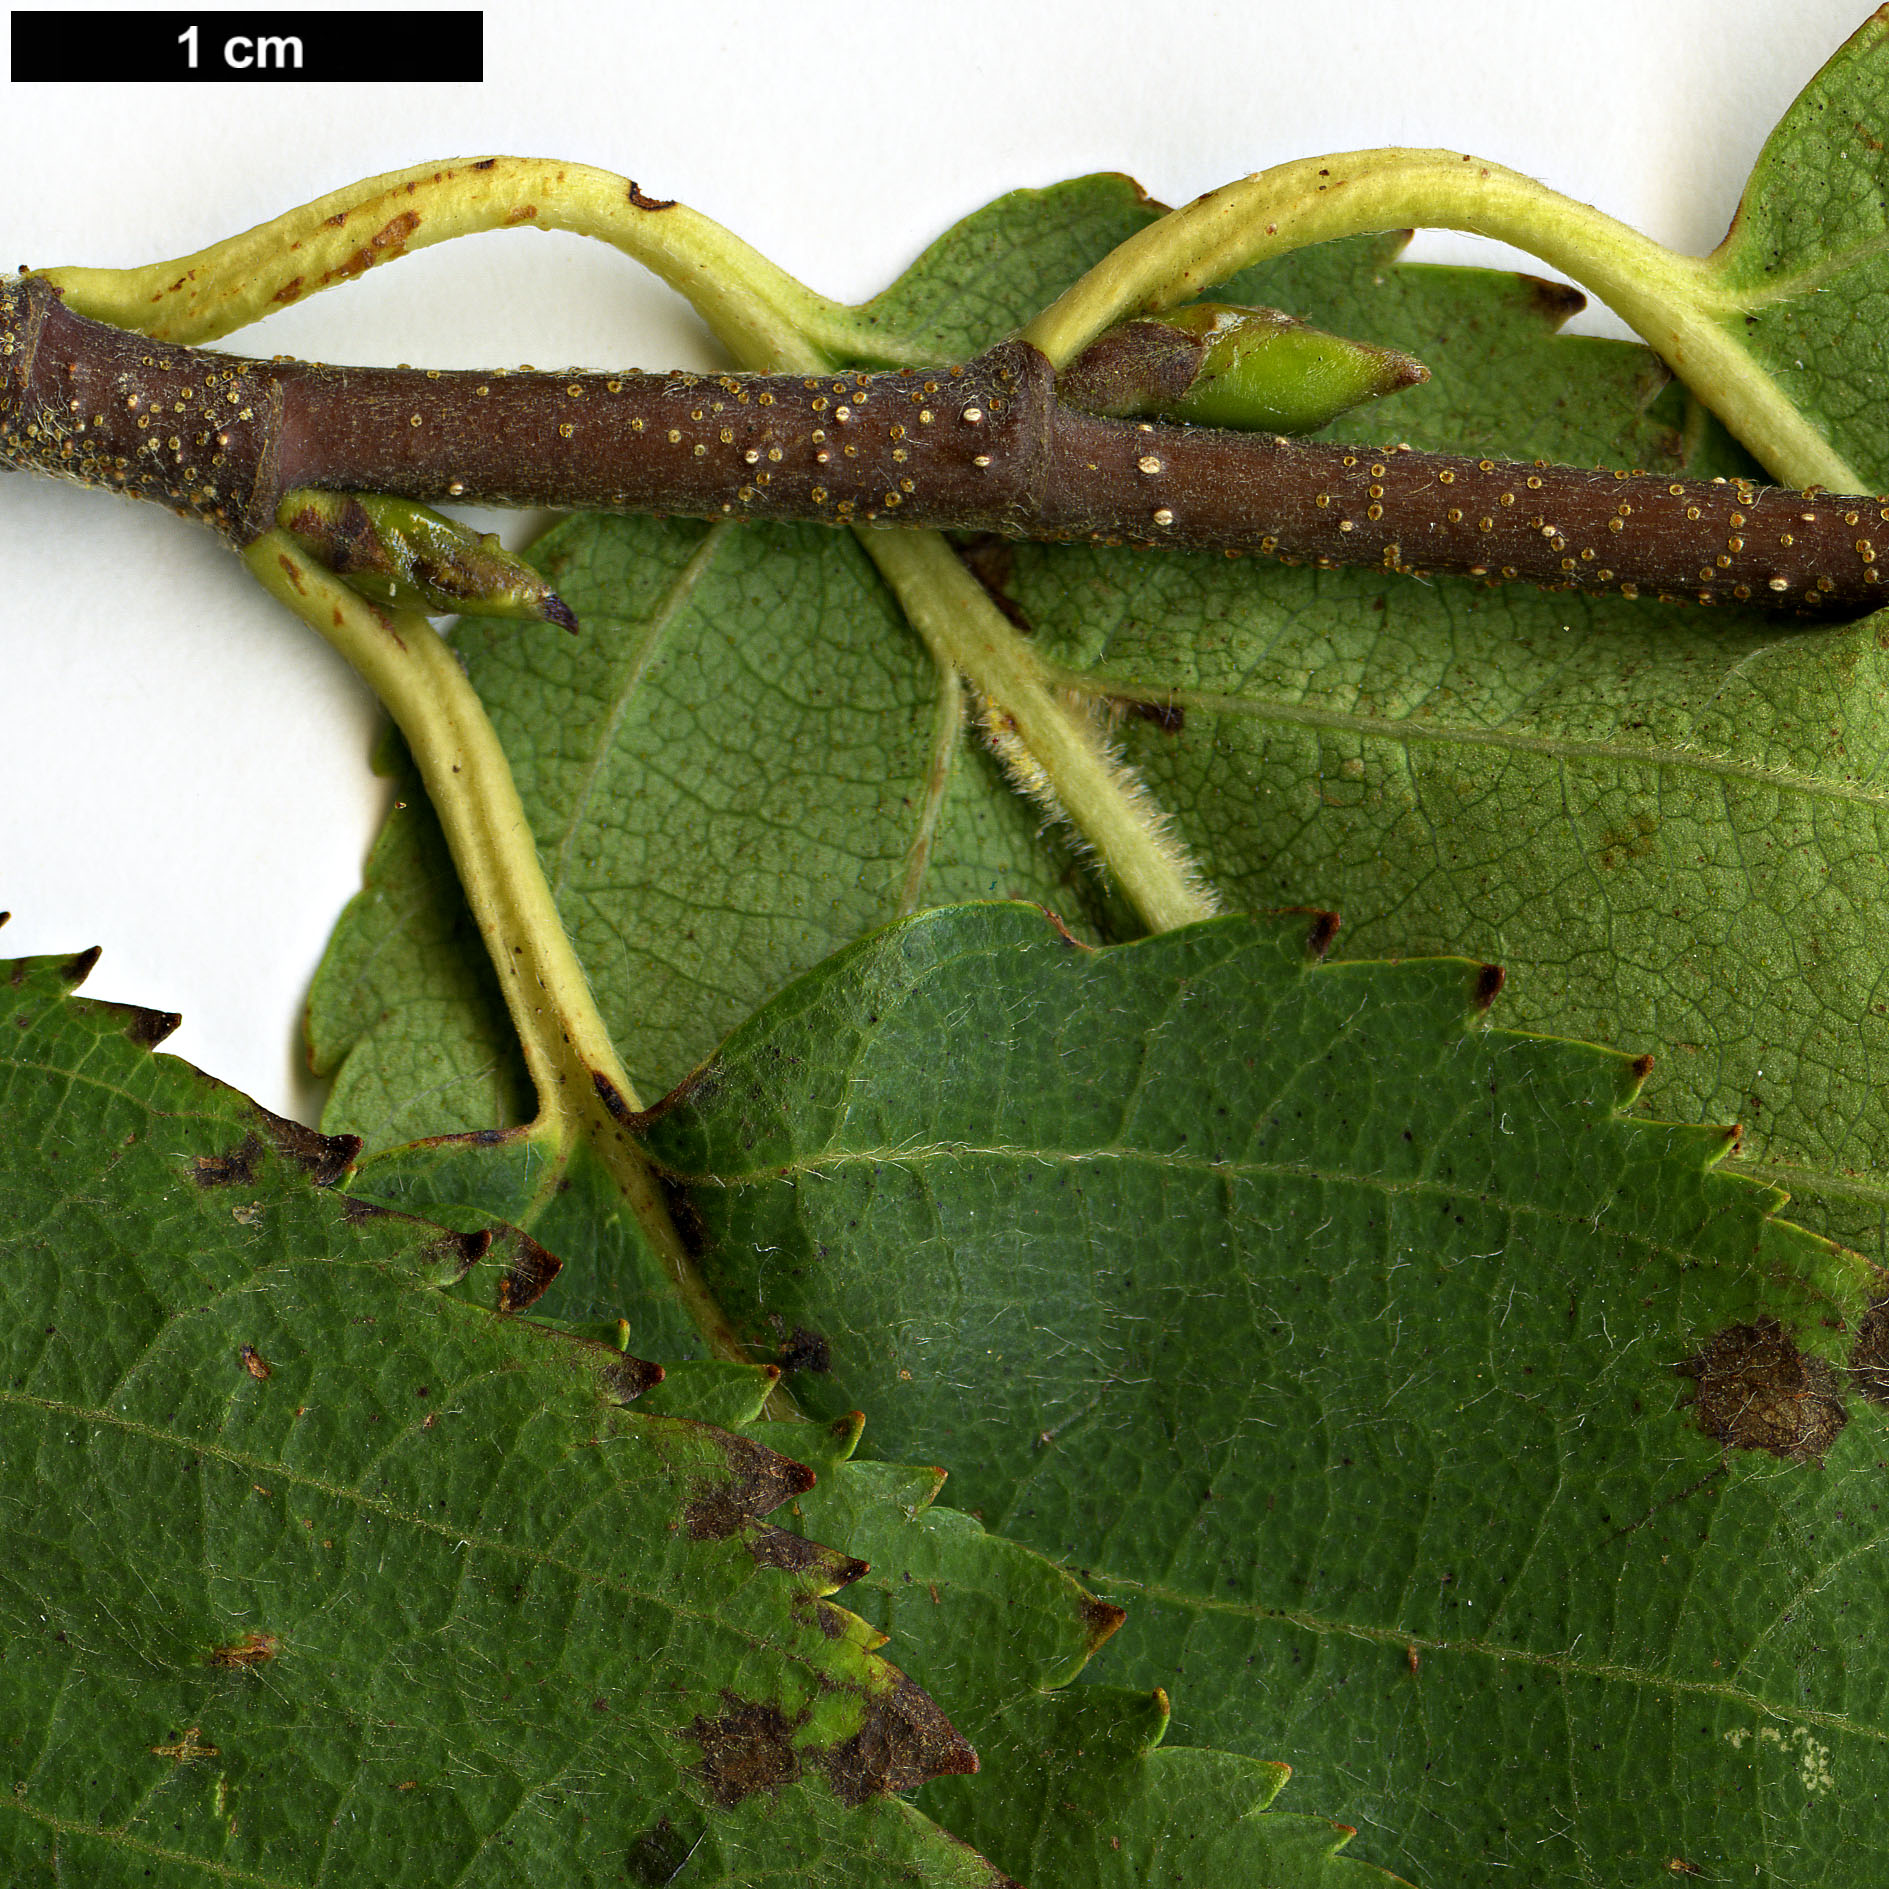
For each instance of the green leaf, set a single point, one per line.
(988, 1628)
(1072, 1790)
(1490, 1457)
(317, 1569)
(1806, 263)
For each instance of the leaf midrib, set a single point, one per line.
(1805, 281)
(1233, 1168)
(359, 1499)
(1103, 1581)
(122, 1836)
(1406, 731)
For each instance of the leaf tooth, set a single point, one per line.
(1102, 1619)
(759, 1481)
(76, 969)
(905, 1741)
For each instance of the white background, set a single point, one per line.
(183, 768)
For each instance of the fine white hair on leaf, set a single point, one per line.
(1096, 718)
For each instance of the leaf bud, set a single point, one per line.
(1253, 369)
(394, 551)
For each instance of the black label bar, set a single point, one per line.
(233, 48)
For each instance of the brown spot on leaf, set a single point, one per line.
(649, 203)
(1554, 302)
(612, 1098)
(806, 1350)
(237, 1168)
(991, 560)
(748, 1747)
(528, 1277)
(148, 1028)
(774, 1547)
(1758, 1391)
(485, 164)
(460, 1251)
(1062, 931)
(77, 969)
(251, 1650)
(627, 1378)
(684, 1215)
(1489, 980)
(254, 1363)
(1323, 929)
(1169, 717)
(288, 291)
(323, 1158)
(1869, 1357)
(904, 1742)
(760, 1480)
(1101, 1619)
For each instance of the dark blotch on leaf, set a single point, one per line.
(1101, 1618)
(806, 1351)
(1758, 1391)
(323, 1158)
(690, 1227)
(1324, 928)
(626, 1379)
(992, 562)
(1169, 717)
(904, 1742)
(1869, 1359)
(760, 1481)
(77, 969)
(529, 1275)
(461, 1251)
(1488, 985)
(148, 1028)
(238, 1168)
(747, 1748)
(774, 1547)
(1554, 302)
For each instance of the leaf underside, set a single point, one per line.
(317, 1568)
(1489, 1457)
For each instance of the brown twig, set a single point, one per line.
(986, 445)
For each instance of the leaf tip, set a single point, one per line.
(627, 1378)
(148, 1028)
(1101, 1619)
(75, 970)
